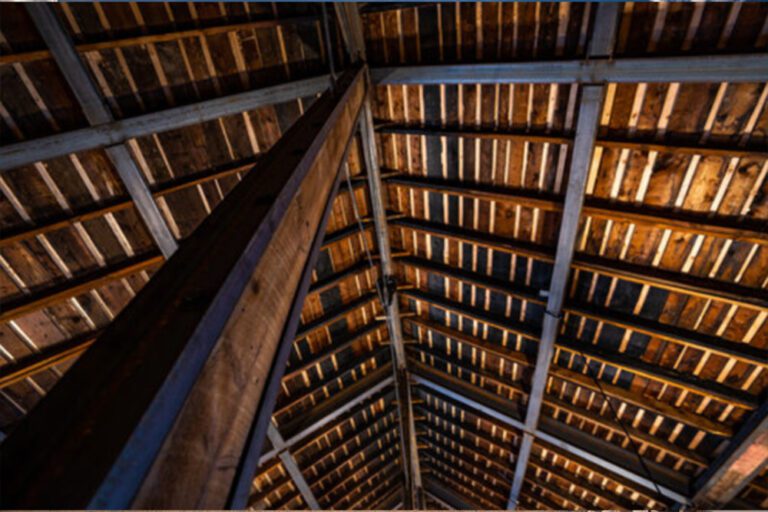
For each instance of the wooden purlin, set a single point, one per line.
(34, 55)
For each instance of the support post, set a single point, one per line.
(351, 29)
(71, 66)
(156, 411)
(581, 159)
(413, 497)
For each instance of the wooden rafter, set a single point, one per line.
(328, 127)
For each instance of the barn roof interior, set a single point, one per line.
(528, 268)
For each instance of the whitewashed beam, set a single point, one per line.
(96, 112)
(715, 68)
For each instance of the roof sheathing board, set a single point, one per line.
(723, 114)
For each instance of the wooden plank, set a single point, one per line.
(146, 39)
(740, 351)
(119, 203)
(704, 287)
(611, 458)
(613, 142)
(47, 358)
(412, 472)
(735, 228)
(632, 398)
(25, 304)
(289, 463)
(198, 355)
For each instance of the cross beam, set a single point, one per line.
(691, 69)
(117, 132)
(96, 112)
(290, 465)
(124, 422)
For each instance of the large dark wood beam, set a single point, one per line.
(122, 428)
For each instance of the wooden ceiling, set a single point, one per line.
(664, 341)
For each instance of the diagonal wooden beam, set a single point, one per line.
(45, 297)
(351, 28)
(601, 45)
(414, 498)
(289, 463)
(611, 459)
(118, 132)
(116, 431)
(337, 406)
(449, 496)
(48, 357)
(119, 203)
(96, 112)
